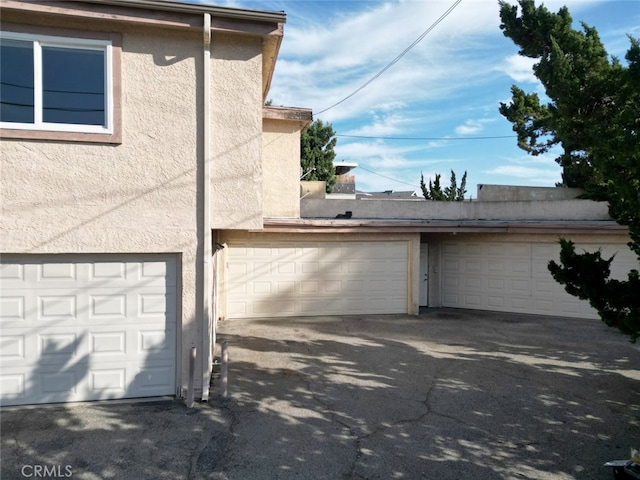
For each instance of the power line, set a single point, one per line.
(425, 138)
(57, 109)
(387, 177)
(395, 60)
(30, 87)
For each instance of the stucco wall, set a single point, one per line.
(137, 197)
(236, 132)
(281, 164)
(429, 210)
(501, 193)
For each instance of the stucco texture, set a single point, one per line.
(236, 132)
(281, 164)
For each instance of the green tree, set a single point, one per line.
(592, 114)
(452, 193)
(317, 153)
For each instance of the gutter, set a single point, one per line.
(208, 333)
(173, 6)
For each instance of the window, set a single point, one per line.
(56, 84)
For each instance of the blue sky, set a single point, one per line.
(445, 91)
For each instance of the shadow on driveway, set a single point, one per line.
(450, 394)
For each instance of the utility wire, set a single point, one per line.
(385, 176)
(395, 60)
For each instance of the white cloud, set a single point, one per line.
(383, 125)
(519, 68)
(322, 63)
(376, 151)
(540, 176)
(472, 127)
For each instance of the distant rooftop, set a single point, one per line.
(343, 167)
(389, 194)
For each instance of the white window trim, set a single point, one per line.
(38, 42)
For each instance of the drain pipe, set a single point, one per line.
(207, 332)
(192, 368)
(224, 370)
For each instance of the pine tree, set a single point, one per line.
(317, 153)
(450, 193)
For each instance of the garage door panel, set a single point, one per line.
(519, 304)
(82, 381)
(451, 281)
(473, 282)
(67, 324)
(497, 266)
(520, 285)
(12, 309)
(58, 271)
(315, 278)
(495, 302)
(473, 300)
(12, 273)
(451, 265)
(519, 267)
(472, 249)
(152, 379)
(545, 286)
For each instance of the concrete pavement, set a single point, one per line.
(450, 394)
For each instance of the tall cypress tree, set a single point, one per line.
(593, 115)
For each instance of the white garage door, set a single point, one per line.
(319, 278)
(86, 328)
(513, 277)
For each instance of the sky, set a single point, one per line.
(436, 108)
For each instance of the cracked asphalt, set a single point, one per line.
(449, 394)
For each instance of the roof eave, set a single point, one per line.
(557, 227)
(182, 7)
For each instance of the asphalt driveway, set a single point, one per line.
(450, 394)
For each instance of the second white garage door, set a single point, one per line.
(278, 279)
(513, 277)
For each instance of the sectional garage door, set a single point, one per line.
(316, 278)
(513, 277)
(77, 328)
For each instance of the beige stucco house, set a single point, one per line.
(132, 132)
(147, 193)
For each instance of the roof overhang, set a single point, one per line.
(556, 227)
(303, 116)
(267, 25)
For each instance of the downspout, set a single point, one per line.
(207, 328)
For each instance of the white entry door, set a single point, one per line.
(424, 274)
(77, 328)
(279, 279)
